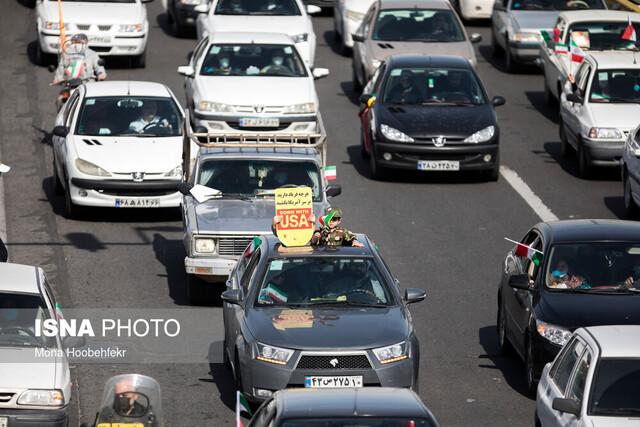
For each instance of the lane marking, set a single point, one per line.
(527, 194)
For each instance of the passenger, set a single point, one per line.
(148, 117)
(562, 277)
(439, 27)
(405, 91)
(277, 66)
(633, 281)
(332, 234)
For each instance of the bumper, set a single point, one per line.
(215, 266)
(604, 153)
(406, 156)
(226, 125)
(111, 193)
(544, 351)
(350, 27)
(36, 417)
(476, 9)
(120, 45)
(321, 3)
(524, 52)
(185, 14)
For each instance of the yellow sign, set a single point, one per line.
(293, 319)
(294, 206)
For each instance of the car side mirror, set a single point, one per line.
(574, 97)
(357, 38)
(319, 73)
(412, 295)
(202, 8)
(61, 131)
(74, 342)
(569, 406)
(519, 281)
(185, 188)
(476, 38)
(333, 190)
(186, 70)
(498, 101)
(231, 296)
(313, 9)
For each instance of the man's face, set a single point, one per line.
(334, 222)
(149, 111)
(562, 266)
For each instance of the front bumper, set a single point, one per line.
(120, 45)
(230, 125)
(321, 3)
(36, 417)
(210, 266)
(526, 53)
(111, 193)
(604, 152)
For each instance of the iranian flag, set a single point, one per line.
(561, 49)
(325, 219)
(577, 55)
(630, 32)
(550, 35)
(276, 294)
(330, 173)
(527, 251)
(75, 70)
(241, 406)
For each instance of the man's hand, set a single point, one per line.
(312, 218)
(571, 78)
(277, 219)
(357, 244)
(628, 283)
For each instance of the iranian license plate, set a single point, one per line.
(260, 123)
(333, 382)
(137, 203)
(4, 421)
(100, 39)
(438, 165)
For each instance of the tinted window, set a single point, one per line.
(253, 60)
(616, 87)
(556, 4)
(576, 390)
(360, 422)
(615, 388)
(563, 372)
(437, 25)
(602, 35)
(257, 7)
(18, 316)
(248, 273)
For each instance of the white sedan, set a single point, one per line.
(347, 17)
(269, 16)
(114, 27)
(119, 144)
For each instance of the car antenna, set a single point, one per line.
(128, 87)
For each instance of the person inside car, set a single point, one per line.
(149, 118)
(332, 233)
(405, 90)
(562, 277)
(277, 66)
(439, 27)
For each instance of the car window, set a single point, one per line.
(576, 389)
(365, 26)
(18, 316)
(602, 35)
(615, 388)
(615, 87)
(562, 373)
(427, 25)
(275, 60)
(534, 5)
(374, 83)
(70, 108)
(258, 7)
(583, 78)
(533, 266)
(245, 281)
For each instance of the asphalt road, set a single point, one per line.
(444, 233)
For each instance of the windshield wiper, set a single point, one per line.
(335, 302)
(237, 196)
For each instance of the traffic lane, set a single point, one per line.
(444, 233)
(531, 144)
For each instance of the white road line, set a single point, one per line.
(527, 194)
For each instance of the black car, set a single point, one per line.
(317, 317)
(367, 407)
(429, 113)
(578, 273)
(182, 15)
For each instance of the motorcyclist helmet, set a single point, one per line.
(78, 44)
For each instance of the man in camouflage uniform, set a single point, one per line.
(332, 233)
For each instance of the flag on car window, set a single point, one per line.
(242, 405)
(577, 54)
(561, 49)
(630, 32)
(550, 35)
(527, 251)
(330, 173)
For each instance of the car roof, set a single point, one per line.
(414, 60)
(410, 4)
(18, 278)
(598, 15)
(248, 37)
(586, 230)
(301, 154)
(376, 401)
(611, 59)
(274, 249)
(126, 87)
(617, 340)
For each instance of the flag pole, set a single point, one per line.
(518, 243)
(63, 34)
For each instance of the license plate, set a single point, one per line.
(4, 421)
(136, 203)
(99, 39)
(259, 123)
(333, 382)
(438, 165)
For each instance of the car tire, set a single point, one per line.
(139, 61)
(531, 381)
(363, 150)
(177, 29)
(565, 148)
(377, 171)
(630, 207)
(584, 162)
(496, 50)
(57, 183)
(196, 290)
(509, 63)
(357, 87)
(501, 326)
(71, 210)
(41, 58)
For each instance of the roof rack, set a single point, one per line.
(272, 140)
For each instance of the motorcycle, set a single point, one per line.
(4, 252)
(130, 400)
(67, 87)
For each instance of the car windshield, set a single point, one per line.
(616, 87)
(433, 86)
(323, 280)
(615, 389)
(556, 4)
(602, 35)
(368, 421)
(594, 267)
(258, 7)
(259, 178)
(437, 25)
(18, 316)
(253, 60)
(129, 116)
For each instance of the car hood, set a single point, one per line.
(529, 20)
(574, 310)
(328, 328)
(613, 421)
(256, 90)
(95, 13)
(291, 25)
(383, 49)
(232, 215)
(21, 368)
(621, 116)
(427, 121)
(128, 154)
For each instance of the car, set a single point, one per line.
(597, 116)
(284, 16)
(592, 381)
(367, 407)
(35, 384)
(347, 17)
(393, 27)
(104, 154)
(630, 171)
(603, 28)
(183, 14)
(517, 25)
(251, 94)
(445, 122)
(587, 276)
(473, 9)
(301, 317)
(114, 28)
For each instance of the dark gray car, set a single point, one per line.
(317, 317)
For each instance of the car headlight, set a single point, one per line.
(375, 63)
(89, 168)
(556, 334)
(175, 172)
(354, 16)
(275, 355)
(130, 28)
(300, 38)
(483, 135)
(605, 133)
(307, 107)
(524, 37)
(394, 134)
(215, 107)
(41, 398)
(205, 246)
(54, 25)
(392, 353)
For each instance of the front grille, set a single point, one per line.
(102, 49)
(83, 27)
(104, 27)
(234, 246)
(138, 192)
(250, 109)
(6, 397)
(236, 125)
(345, 361)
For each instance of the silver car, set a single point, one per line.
(393, 27)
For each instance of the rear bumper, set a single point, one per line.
(120, 45)
(36, 417)
(185, 14)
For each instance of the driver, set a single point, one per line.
(149, 116)
(405, 91)
(79, 62)
(126, 405)
(277, 64)
(456, 87)
(439, 25)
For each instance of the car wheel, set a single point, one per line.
(177, 28)
(630, 206)
(377, 171)
(501, 325)
(139, 61)
(496, 50)
(363, 149)
(530, 369)
(549, 99)
(584, 162)
(357, 87)
(565, 148)
(196, 290)
(509, 62)
(41, 58)
(70, 209)
(57, 183)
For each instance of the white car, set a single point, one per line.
(593, 381)
(347, 17)
(114, 27)
(602, 28)
(474, 9)
(234, 85)
(119, 144)
(268, 16)
(35, 383)
(597, 116)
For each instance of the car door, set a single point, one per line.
(190, 83)
(366, 113)
(551, 61)
(573, 111)
(499, 20)
(59, 143)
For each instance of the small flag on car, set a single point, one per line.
(330, 173)
(550, 35)
(561, 49)
(577, 55)
(630, 32)
(523, 250)
(242, 405)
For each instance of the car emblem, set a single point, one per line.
(333, 362)
(137, 176)
(258, 108)
(439, 141)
